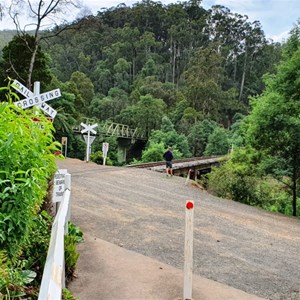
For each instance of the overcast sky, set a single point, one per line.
(277, 17)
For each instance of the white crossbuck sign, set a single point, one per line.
(88, 128)
(39, 100)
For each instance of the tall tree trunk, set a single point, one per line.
(174, 63)
(235, 65)
(30, 70)
(243, 77)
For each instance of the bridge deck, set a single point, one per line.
(182, 166)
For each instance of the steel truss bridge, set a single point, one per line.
(116, 129)
(122, 131)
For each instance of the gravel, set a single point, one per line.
(144, 211)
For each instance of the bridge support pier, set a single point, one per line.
(123, 147)
(129, 149)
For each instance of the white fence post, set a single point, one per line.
(188, 250)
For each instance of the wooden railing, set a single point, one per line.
(53, 280)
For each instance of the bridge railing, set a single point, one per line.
(122, 130)
(175, 161)
(53, 280)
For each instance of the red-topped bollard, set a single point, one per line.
(189, 204)
(188, 250)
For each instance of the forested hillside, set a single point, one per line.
(204, 64)
(198, 64)
(188, 77)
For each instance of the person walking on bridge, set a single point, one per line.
(168, 156)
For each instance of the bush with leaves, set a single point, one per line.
(97, 157)
(27, 162)
(161, 139)
(218, 142)
(75, 236)
(241, 179)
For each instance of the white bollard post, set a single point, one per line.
(188, 250)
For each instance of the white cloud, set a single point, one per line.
(280, 37)
(277, 17)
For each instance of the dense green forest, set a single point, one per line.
(206, 82)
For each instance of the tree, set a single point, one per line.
(83, 88)
(204, 78)
(122, 74)
(242, 44)
(168, 136)
(153, 152)
(17, 57)
(218, 142)
(273, 127)
(109, 107)
(102, 77)
(40, 12)
(198, 136)
(148, 113)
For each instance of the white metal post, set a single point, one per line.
(66, 146)
(88, 147)
(188, 250)
(36, 88)
(105, 147)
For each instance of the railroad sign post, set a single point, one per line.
(89, 139)
(188, 250)
(64, 143)
(105, 147)
(35, 98)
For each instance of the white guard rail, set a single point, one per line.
(53, 280)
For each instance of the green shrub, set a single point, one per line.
(235, 182)
(74, 237)
(97, 158)
(68, 296)
(13, 280)
(26, 163)
(36, 248)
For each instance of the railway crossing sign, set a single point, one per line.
(36, 98)
(88, 128)
(92, 138)
(87, 137)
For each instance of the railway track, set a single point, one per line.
(176, 161)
